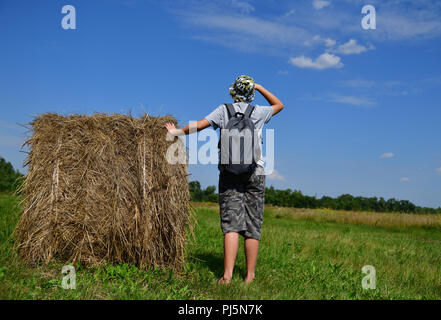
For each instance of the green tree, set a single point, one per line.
(202, 195)
(8, 176)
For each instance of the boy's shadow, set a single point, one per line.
(215, 262)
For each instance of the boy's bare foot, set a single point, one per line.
(224, 280)
(249, 279)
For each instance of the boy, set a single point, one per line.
(241, 196)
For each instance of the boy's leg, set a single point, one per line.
(254, 199)
(231, 244)
(251, 251)
(232, 216)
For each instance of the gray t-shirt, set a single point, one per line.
(260, 116)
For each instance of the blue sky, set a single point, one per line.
(362, 107)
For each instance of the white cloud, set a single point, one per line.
(387, 155)
(289, 13)
(327, 41)
(396, 20)
(399, 20)
(383, 88)
(402, 25)
(438, 170)
(352, 47)
(243, 6)
(282, 72)
(324, 61)
(320, 4)
(405, 179)
(276, 176)
(245, 31)
(355, 101)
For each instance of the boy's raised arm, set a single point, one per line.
(275, 103)
(199, 125)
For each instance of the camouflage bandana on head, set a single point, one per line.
(242, 90)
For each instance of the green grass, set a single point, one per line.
(301, 257)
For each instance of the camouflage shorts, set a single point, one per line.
(241, 201)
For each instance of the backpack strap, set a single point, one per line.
(230, 110)
(249, 111)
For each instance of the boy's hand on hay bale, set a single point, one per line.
(191, 128)
(173, 130)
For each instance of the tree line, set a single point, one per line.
(8, 176)
(283, 198)
(295, 199)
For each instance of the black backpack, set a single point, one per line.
(237, 143)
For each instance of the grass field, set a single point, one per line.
(305, 254)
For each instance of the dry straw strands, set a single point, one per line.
(99, 188)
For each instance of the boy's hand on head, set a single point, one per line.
(275, 103)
